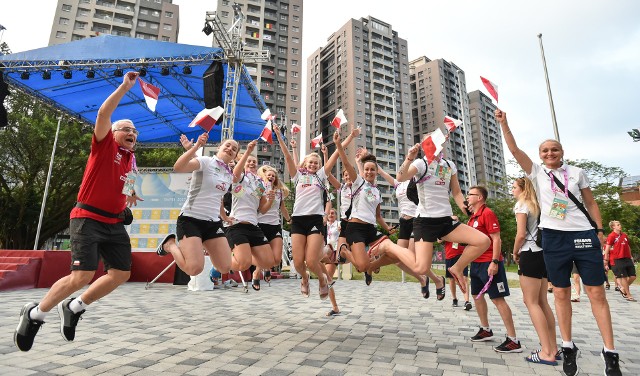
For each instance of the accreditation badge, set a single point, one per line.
(129, 184)
(558, 208)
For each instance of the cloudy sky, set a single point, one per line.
(592, 50)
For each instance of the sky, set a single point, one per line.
(592, 51)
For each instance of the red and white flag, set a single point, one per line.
(432, 145)
(266, 115)
(150, 93)
(295, 128)
(451, 123)
(315, 142)
(267, 133)
(339, 120)
(207, 118)
(491, 87)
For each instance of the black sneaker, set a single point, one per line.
(569, 366)
(368, 278)
(467, 306)
(483, 335)
(455, 303)
(68, 320)
(27, 329)
(160, 249)
(508, 346)
(611, 366)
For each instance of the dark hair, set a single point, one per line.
(369, 158)
(483, 191)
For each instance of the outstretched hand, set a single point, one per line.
(413, 151)
(202, 140)
(185, 142)
(129, 79)
(251, 146)
(500, 116)
(133, 200)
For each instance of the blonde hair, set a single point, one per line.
(306, 158)
(550, 140)
(528, 196)
(278, 184)
(611, 223)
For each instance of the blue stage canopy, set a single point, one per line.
(181, 91)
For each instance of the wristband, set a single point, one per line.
(600, 230)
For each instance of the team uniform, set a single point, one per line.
(345, 202)
(407, 209)
(269, 222)
(531, 258)
(452, 252)
(244, 210)
(366, 199)
(620, 255)
(308, 208)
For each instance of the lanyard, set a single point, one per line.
(565, 175)
(134, 166)
(224, 165)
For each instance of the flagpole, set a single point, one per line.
(546, 77)
(470, 183)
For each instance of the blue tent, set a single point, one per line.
(181, 90)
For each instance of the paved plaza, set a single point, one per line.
(384, 329)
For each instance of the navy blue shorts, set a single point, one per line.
(449, 263)
(563, 248)
(479, 277)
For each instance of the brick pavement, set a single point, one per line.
(385, 329)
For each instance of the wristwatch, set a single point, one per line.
(599, 230)
(495, 261)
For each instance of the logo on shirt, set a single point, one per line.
(118, 158)
(219, 231)
(314, 228)
(76, 262)
(495, 225)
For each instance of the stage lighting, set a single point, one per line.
(91, 73)
(186, 69)
(24, 75)
(164, 71)
(46, 75)
(143, 72)
(67, 75)
(207, 29)
(118, 72)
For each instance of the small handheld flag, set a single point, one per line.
(316, 141)
(207, 118)
(267, 133)
(266, 115)
(491, 87)
(150, 93)
(432, 145)
(451, 123)
(295, 128)
(339, 120)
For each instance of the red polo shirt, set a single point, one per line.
(485, 221)
(619, 247)
(451, 252)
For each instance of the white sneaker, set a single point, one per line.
(229, 283)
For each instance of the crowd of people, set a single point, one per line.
(555, 231)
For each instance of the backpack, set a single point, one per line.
(412, 188)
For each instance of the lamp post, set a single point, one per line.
(546, 77)
(46, 186)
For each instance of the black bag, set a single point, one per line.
(126, 215)
(412, 188)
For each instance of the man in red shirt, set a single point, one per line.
(618, 254)
(452, 252)
(96, 227)
(488, 264)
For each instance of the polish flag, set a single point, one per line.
(432, 145)
(491, 87)
(451, 123)
(315, 142)
(207, 118)
(267, 133)
(266, 115)
(150, 93)
(295, 128)
(339, 120)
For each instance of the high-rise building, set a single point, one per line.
(487, 145)
(438, 89)
(276, 26)
(363, 70)
(145, 19)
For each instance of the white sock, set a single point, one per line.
(77, 305)
(607, 350)
(514, 339)
(568, 344)
(488, 328)
(37, 314)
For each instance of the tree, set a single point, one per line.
(158, 157)
(25, 152)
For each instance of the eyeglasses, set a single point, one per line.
(472, 194)
(128, 130)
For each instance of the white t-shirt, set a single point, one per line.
(366, 198)
(309, 189)
(272, 216)
(433, 188)
(574, 219)
(246, 198)
(333, 233)
(345, 199)
(532, 228)
(208, 184)
(406, 206)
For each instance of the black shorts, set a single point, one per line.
(624, 268)
(532, 265)
(91, 240)
(307, 225)
(362, 233)
(406, 229)
(449, 263)
(205, 230)
(246, 233)
(432, 229)
(479, 277)
(343, 228)
(271, 231)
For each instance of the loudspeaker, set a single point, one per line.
(213, 79)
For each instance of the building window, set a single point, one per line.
(63, 21)
(294, 98)
(294, 51)
(153, 25)
(80, 25)
(157, 1)
(294, 63)
(282, 73)
(283, 28)
(144, 11)
(168, 14)
(284, 17)
(295, 29)
(166, 39)
(283, 39)
(282, 50)
(155, 13)
(61, 35)
(296, 8)
(296, 18)
(294, 110)
(294, 86)
(167, 27)
(294, 74)
(142, 23)
(66, 8)
(295, 40)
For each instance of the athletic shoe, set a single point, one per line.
(483, 335)
(611, 366)
(508, 346)
(214, 275)
(27, 329)
(455, 303)
(68, 320)
(467, 306)
(229, 283)
(569, 366)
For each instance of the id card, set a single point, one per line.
(558, 208)
(238, 191)
(129, 184)
(371, 197)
